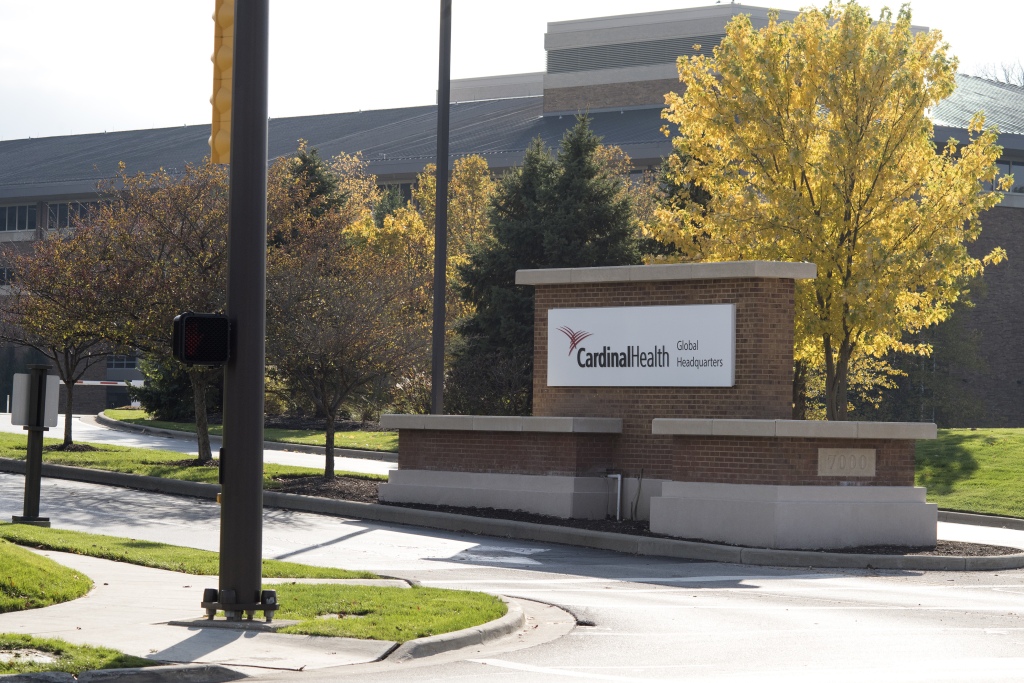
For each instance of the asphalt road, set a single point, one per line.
(653, 619)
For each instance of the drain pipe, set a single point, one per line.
(618, 495)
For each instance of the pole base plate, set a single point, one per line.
(33, 521)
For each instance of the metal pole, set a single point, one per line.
(241, 529)
(441, 209)
(34, 450)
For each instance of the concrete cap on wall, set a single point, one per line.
(669, 271)
(504, 423)
(797, 429)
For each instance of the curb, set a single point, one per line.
(176, 487)
(513, 620)
(178, 673)
(529, 531)
(981, 520)
(117, 425)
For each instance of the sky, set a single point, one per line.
(87, 66)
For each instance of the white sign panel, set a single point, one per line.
(642, 346)
(20, 395)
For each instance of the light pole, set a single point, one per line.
(441, 210)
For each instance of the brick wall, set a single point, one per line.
(998, 315)
(764, 363)
(567, 454)
(585, 97)
(783, 462)
(89, 400)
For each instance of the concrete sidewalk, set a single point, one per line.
(129, 607)
(134, 609)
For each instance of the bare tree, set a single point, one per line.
(1006, 72)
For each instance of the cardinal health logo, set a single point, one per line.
(574, 337)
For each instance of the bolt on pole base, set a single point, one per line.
(225, 601)
(234, 612)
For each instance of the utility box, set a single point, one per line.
(21, 411)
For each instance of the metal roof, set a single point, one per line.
(1002, 103)
(396, 143)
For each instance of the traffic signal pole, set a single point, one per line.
(241, 529)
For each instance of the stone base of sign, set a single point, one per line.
(565, 497)
(637, 494)
(795, 517)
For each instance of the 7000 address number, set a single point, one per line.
(846, 462)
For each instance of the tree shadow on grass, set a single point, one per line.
(940, 464)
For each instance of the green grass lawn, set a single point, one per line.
(152, 463)
(382, 613)
(72, 659)
(375, 612)
(974, 470)
(149, 554)
(28, 580)
(367, 441)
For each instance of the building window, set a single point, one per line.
(6, 276)
(118, 362)
(1017, 169)
(21, 217)
(1008, 167)
(67, 214)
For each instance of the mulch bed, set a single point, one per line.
(71, 448)
(339, 488)
(195, 462)
(365, 491)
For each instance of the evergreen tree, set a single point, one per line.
(390, 201)
(568, 212)
(168, 393)
(321, 192)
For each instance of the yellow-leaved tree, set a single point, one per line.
(469, 200)
(812, 139)
(409, 233)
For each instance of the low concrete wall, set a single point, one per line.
(795, 517)
(639, 492)
(565, 497)
(558, 496)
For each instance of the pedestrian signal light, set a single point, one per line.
(201, 338)
(223, 58)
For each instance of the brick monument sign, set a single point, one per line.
(666, 392)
